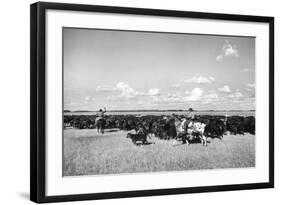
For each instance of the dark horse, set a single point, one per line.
(100, 123)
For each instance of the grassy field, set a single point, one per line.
(87, 152)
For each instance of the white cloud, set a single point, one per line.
(176, 85)
(70, 104)
(105, 88)
(219, 57)
(245, 70)
(236, 94)
(212, 78)
(88, 100)
(200, 80)
(210, 97)
(248, 89)
(176, 94)
(126, 91)
(194, 95)
(172, 97)
(111, 98)
(250, 85)
(224, 89)
(140, 102)
(153, 91)
(129, 92)
(228, 50)
(122, 86)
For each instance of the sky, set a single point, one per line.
(128, 70)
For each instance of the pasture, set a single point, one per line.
(87, 152)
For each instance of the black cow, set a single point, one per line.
(215, 128)
(139, 137)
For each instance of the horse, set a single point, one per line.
(100, 124)
(197, 128)
(169, 130)
(181, 132)
(188, 132)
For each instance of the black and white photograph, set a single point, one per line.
(141, 102)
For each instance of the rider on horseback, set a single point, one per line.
(182, 126)
(189, 117)
(100, 114)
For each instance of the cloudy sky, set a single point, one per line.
(143, 70)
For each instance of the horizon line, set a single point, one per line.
(157, 110)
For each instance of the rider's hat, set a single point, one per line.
(190, 109)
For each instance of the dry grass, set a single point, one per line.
(88, 153)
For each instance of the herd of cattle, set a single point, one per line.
(163, 127)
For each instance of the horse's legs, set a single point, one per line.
(204, 140)
(186, 141)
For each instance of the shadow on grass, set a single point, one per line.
(145, 143)
(194, 141)
(113, 130)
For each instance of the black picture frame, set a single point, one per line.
(38, 101)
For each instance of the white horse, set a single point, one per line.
(197, 128)
(187, 132)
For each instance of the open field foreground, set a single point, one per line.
(87, 152)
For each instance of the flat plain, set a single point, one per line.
(87, 152)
